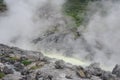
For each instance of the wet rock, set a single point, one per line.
(116, 70)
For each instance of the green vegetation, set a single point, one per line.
(2, 6)
(77, 10)
(26, 62)
(2, 75)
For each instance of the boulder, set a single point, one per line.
(94, 69)
(108, 76)
(59, 64)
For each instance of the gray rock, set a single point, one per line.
(108, 76)
(7, 70)
(51, 69)
(27, 77)
(25, 72)
(59, 64)
(40, 76)
(116, 70)
(14, 76)
(69, 76)
(18, 66)
(4, 59)
(81, 72)
(94, 69)
(23, 57)
(96, 78)
(2, 66)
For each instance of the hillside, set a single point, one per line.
(59, 40)
(18, 64)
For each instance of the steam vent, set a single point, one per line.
(59, 40)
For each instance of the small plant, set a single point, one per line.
(26, 62)
(2, 75)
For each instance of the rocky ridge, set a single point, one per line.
(18, 64)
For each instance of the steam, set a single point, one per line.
(41, 25)
(103, 32)
(23, 21)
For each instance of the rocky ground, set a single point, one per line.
(18, 64)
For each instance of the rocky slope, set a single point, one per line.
(18, 64)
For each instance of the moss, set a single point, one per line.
(2, 75)
(26, 62)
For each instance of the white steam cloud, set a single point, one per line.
(23, 21)
(40, 24)
(103, 32)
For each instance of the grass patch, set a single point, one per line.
(26, 62)
(77, 10)
(2, 75)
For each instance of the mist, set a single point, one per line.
(41, 25)
(103, 32)
(21, 23)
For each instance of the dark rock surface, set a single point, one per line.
(18, 64)
(116, 70)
